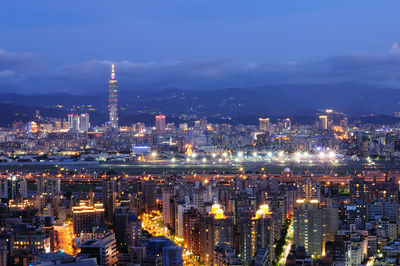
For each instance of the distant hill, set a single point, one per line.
(242, 105)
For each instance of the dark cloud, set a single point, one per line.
(26, 73)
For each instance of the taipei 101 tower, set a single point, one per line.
(113, 99)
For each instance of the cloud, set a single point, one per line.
(18, 61)
(395, 49)
(28, 73)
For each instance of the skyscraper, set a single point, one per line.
(113, 99)
(84, 122)
(160, 124)
(73, 122)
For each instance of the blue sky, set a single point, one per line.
(51, 45)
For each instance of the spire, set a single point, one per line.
(112, 71)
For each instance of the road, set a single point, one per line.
(153, 223)
(287, 246)
(65, 237)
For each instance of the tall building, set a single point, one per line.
(3, 251)
(160, 124)
(121, 215)
(73, 122)
(149, 195)
(287, 124)
(225, 255)
(113, 99)
(172, 255)
(323, 122)
(191, 231)
(215, 228)
(167, 193)
(14, 187)
(264, 124)
(78, 122)
(48, 186)
(87, 216)
(113, 188)
(103, 249)
(314, 225)
(133, 231)
(84, 122)
(258, 232)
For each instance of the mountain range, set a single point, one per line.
(236, 105)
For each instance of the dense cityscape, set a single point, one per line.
(199, 133)
(276, 193)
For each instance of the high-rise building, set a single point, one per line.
(121, 215)
(87, 216)
(264, 123)
(160, 124)
(103, 249)
(149, 195)
(167, 194)
(314, 225)
(3, 251)
(113, 99)
(287, 124)
(258, 232)
(14, 187)
(191, 231)
(172, 255)
(225, 255)
(84, 122)
(215, 228)
(323, 122)
(78, 122)
(113, 188)
(74, 122)
(133, 230)
(48, 186)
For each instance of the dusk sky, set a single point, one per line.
(51, 46)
